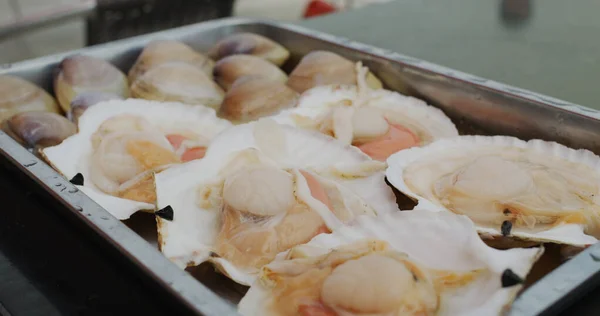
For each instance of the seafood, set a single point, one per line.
(177, 82)
(402, 263)
(379, 122)
(251, 98)
(250, 44)
(18, 95)
(321, 68)
(39, 129)
(161, 51)
(121, 144)
(231, 68)
(79, 74)
(526, 190)
(84, 100)
(261, 189)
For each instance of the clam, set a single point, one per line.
(320, 68)
(230, 68)
(160, 51)
(79, 74)
(83, 101)
(38, 129)
(253, 97)
(250, 44)
(18, 95)
(177, 81)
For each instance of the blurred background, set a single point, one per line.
(33, 28)
(545, 46)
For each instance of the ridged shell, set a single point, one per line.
(72, 155)
(250, 44)
(83, 74)
(177, 82)
(439, 241)
(316, 103)
(188, 238)
(162, 51)
(19, 95)
(320, 68)
(468, 147)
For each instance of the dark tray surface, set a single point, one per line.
(48, 268)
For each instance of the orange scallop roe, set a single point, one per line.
(316, 189)
(315, 310)
(191, 153)
(318, 192)
(150, 155)
(176, 140)
(142, 191)
(397, 138)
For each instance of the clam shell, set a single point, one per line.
(250, 44)
(39, 129)
(231, 68)
(72, 156)
(187, 239)
(81, 74)
(441, 241)
(18, 95)
(467, 146)
(319, 68)
(251, 98)
(84, 100)
(161, 51)
(178, 82)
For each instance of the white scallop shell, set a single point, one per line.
(72, 156)
(442, 241)
(571, 234)
(189, 237)
(315, 102)
(290, 147)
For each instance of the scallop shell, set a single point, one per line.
(440, 241)
(317, 103)
(291, 148)
(72, 156)
(189, 237)
(442, 152)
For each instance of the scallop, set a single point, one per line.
(261, 189)
(161, 51)
(250, 44)
(251, 98)
(321, 68)
(78, 74)
(178, 82)
(39, 129)
(512, 189)
(402, 263)
(378, 122)
(18, 95)
(231, 68)
(122, 143)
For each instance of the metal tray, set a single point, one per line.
(475, 104)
